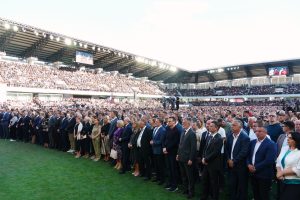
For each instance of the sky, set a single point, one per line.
(190, 34)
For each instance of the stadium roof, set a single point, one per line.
(27, 41)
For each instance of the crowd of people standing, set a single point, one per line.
(215, 146)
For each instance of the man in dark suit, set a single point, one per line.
(52, 129)
(170, 149)
(212, 162)
(282, 145)
(237, 148)
(19, 127)
(70, 128)
(261, 158)
(186, 156)
(64, 133)
(1, 129)
(26, 127)
(159, 133)
(124, 140)
(36, 125)
(5, 122)
(202, 145)
(144, 150)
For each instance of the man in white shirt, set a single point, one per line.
(237, 147)
(262, 156)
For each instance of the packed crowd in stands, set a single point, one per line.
(214, 145)
(17, 74)
(238, 90)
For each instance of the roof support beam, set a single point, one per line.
(57, 56)
(6, 38)
(248, 71)
(32, 51)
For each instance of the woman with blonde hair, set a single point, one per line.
(95, 136)
(86, 132)
(133, 148)
(78, 135)
(116, 143)
(105, 148)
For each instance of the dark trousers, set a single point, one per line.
(238, 183)
(57, 139)
(64, 140)
(144, 161)
(210, 183)
(26, 134)
(39, 137)
(125, 158)
(13, 133)
(5, 130)
(20, 134)
(290, 192)
(261, 188)
(159, 166)
(187, 176)
(1, 130)
(81, 146)
(51, 136)
(172, 164)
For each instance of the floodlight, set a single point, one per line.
(15, 28)
(6, 26)
(68, 41)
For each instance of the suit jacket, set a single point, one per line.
(240, 151)
(172, 140)
(212, 154)
(187, 149)
(158, 140)
(125, 137)
(6, 117)
(64, 124)
(52, 121)
(71, 125)
(112, 127)
(26, 121)
(145, 142)
(202, 143)
(264, 158)
(20, 123)
(280, 141)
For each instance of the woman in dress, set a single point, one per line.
(105, 148)
(133, 148)
(116, 144)
(95, 136)
(288, 168)
(77, 135)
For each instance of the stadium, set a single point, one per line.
(82, 120)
